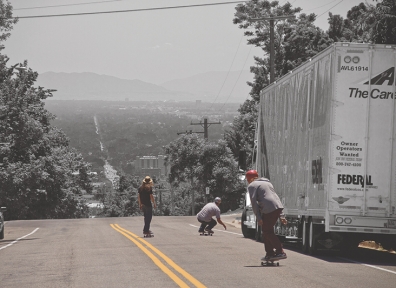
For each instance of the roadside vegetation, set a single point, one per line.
(40, 174)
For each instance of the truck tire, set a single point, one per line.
(304, 236)
(2, 233)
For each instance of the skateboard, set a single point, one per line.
(205, 233)
(269, 263)
(148, 235)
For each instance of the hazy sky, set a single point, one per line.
(153, 46)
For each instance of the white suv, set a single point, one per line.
(2, 209)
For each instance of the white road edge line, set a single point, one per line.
(13, 242)
(368, 265)
(224, 231)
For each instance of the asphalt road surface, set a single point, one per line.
(111, 252)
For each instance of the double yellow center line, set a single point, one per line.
(139, 242)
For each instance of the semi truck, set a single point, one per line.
(326, 140)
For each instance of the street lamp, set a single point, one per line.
(272, 52)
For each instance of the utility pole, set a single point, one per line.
(272, 50)
(205, 125)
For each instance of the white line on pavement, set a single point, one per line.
(224, 231)
(368, 265)
(13, 242)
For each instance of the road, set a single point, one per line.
(110, 252)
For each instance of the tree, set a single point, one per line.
(296, 40)
(240, 136)
(40, 175)
(196, 164)
(302, 42)
(366, 23)
(219, 171)
(382, 20)
(354, 28)
(182, 156)
(6, 21)
(261, 36)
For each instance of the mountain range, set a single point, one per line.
(214, 86)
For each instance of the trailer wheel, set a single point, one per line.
(304, 236)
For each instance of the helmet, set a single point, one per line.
(217, 200)
(251, 174)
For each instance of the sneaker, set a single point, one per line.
(209, 231)
(278, 256)
(266, 258)
(201, 230)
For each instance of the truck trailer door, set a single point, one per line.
(363, 146)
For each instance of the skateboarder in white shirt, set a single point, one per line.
(205, 216)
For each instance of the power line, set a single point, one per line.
(329, 9)
(66, 5)
(221, 88)
(232, 90)
(123, 11)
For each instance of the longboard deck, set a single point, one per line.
(269, 263)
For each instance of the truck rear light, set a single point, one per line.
(355, 59)
(347, 59)
(343, 220)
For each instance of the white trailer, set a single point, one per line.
(326, 139)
